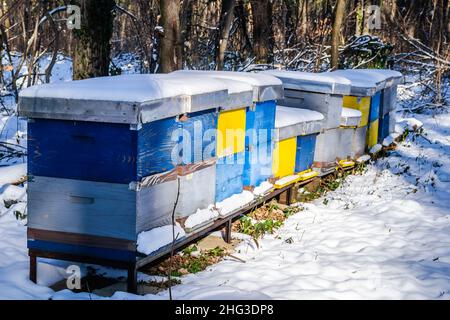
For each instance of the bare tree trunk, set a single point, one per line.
(227, 15)
(4, 7)
(262, 31)
(242, 17)
(447, 17)
(91, 56)
(338, 18)
(123, 27)
(359, 17)
(393, 9)
(366, 14)
(171, 50)
(303, 17)
(279, 23)
(185, 26)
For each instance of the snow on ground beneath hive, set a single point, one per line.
(410, 123)
(263, 188)
(150, 241)
(14, 264)
(286, 180)
(234, 202)
(12, 173)
(201, 216)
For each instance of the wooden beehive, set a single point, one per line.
(108, 156)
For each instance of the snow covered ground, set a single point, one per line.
(381, 235)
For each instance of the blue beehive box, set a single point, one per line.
(105, 159)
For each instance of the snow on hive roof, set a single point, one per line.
(292, 122)
(314, 82)
(240, 94)
(350, 117)
(265, 87)
(122, 99)
(392, 77)
(361, 84)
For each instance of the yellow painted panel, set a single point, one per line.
(299, 177)
(346, 164)
(307, 174)
(372, 134)
(286, 181)
(283, 163)
(359, 103)
(231, 132)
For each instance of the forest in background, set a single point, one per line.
(244, 35)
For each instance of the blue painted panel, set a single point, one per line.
(227, 188)
(82, 150)
(260, 122)
(375, 104)
(383, 130)
(103, 253)
(164, 144)
(229, 176)
(156, 142)
(305, 152)
(258, 163)
(198, 143)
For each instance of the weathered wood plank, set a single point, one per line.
(80, 239)
(86, 251)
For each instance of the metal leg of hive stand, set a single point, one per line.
(228, 231)
(132, 279)
(33, 267)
